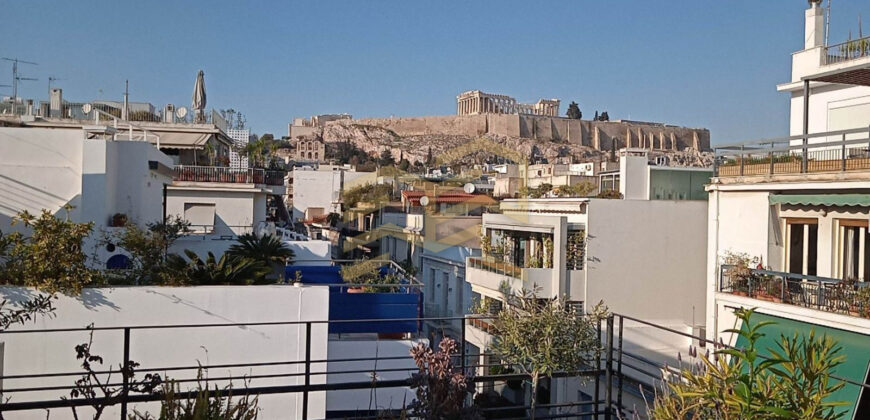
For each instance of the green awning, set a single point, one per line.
(822, 199)
(856, 348)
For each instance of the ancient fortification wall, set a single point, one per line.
(597, 134)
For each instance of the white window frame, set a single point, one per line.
(786, 246)
(840, 230)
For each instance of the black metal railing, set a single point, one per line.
(847, 51)
(611, 373)
(832, 151)
(228, 175)
(15, 397)
(820, 293)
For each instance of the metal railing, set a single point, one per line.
(288, 374)
(496, 265)
(228, 175)
(610, 372)
(820, 293)
(847, 51)
(832, 151)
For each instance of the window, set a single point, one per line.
(852, 254)
(801, 245)
(200, 216)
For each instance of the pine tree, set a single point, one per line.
(574, 111)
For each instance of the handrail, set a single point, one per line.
(852, 49)
(736, 146)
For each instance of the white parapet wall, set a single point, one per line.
(36, 353)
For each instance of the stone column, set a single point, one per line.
(696, 142)
(627, 136)
(673, 141)
(596, 138)
(661, 140)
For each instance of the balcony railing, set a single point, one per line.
(228, 175)
(847, 51)
(820, 293)
(832, 151)
(494, 265)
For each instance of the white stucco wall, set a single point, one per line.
(366, 399)
(823, 99)
(132, 306)
(647, 259)
(320, 188)
(237, 208)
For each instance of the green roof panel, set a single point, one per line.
(856, 348)
(822, 199)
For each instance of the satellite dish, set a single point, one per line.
(468, 188)
(87, 108)
(424, 200)
(181, 112)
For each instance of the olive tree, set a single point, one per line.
(540, 337)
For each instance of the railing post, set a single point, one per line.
(597, 368)
(619, 365)
(843, 153)
(125, 374)
(771, 157)
(806, 126)
(307, 370)
(782, 288)
(462, 349)
(818, 294)
(742, 148)
(608, 370)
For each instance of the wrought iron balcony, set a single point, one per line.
(847, 51)
(819, 293)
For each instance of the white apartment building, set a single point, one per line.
(317, 189)
(241, 138)
(635, 255)
(798, 207)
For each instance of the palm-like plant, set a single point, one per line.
(268, 250)
(225, 271)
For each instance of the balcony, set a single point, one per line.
(848, 51)
(492, 273)
(827, 152)
(228, 175)
(819, 293)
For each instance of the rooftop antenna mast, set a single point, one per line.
(51, 79)
(827, 22)
(15, 77)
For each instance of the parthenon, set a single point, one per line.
(474, 102)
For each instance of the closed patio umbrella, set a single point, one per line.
(199, 97)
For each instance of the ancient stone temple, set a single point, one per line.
(475, 102)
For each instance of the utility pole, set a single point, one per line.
(16, 78)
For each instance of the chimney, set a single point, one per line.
(55, 103)
(814, 31)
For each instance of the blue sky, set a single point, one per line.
(710, 64)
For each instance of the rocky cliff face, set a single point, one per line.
(375, 139)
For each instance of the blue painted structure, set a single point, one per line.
(407, 303)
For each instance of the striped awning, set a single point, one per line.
(822, 199)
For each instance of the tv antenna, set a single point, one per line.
(16, 78)
(827, 22)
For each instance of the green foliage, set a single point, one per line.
(148, 249)
(377, 194)
(51, 259)
(793, 383)
(581, 189)
(368, 273)
(214, 404)
(386, 158)
(609, 194)
(540, 337)
(404, 164)
(212, 271)
(267, 250)
(574, 111)
(25, 311)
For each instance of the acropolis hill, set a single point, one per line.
(518, 126)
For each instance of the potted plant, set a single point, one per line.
(118, 220)
(738, 270)
(862, 298)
